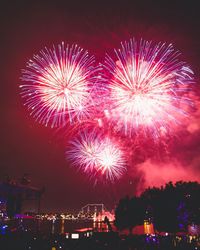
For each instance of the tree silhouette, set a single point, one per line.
(129, 213)
(171, 208)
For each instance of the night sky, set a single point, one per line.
(98, 26)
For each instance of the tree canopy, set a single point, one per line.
(171, 208)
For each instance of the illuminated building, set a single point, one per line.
(14, 194)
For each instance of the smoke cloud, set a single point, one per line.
(181, 159)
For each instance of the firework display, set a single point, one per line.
(139, 92)
(97, 154)
(146, 85)
(57, 84)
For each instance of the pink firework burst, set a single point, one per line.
(57, 84)
(146, 85)
(97, 155)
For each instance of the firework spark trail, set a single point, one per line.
(97, 156)
(146, 83)
(58, 84)
(111, 160)
(84, 152)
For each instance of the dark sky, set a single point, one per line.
(98, 26)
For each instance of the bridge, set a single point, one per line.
(95, 212)
(91, 209)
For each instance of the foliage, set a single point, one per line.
(171, 208)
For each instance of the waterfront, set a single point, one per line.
(59, 226)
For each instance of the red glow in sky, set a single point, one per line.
(27, 147)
